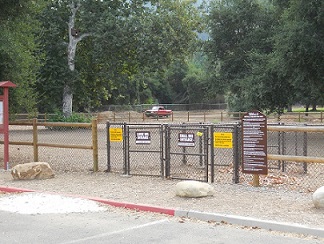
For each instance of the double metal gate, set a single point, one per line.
(178, 151)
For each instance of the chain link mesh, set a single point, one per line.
(164, 156)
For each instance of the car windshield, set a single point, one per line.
(155, 108)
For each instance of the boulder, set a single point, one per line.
(30, 171)
(191, 188)
(318, 198)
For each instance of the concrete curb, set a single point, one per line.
(252, 222)
(204, 216)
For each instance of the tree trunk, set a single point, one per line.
(74, 38)
(307, 109)
(67, 101)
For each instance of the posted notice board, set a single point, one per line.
(254, 143)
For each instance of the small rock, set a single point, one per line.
(191, 188)
(30, 171)
(318, 198)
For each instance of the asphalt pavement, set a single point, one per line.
(125, 228)
(81, 228)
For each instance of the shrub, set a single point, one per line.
(74, 118)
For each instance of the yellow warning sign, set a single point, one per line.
(223, 139)
(116, 134)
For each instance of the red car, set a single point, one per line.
(158, 111)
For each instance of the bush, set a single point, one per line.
(74, 118)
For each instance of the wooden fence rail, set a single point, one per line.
(94, 143)
(185, 116)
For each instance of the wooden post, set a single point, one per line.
(4, 120)
(256, 180)
(222, 116)
(95, 145)
(188, 116)
(35, 140)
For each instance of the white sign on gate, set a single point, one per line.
(143, 137)
(186, 140)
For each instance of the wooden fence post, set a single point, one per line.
(35, 140)
(256, 180)
(95, 144)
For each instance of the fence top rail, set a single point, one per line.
(302, 159)
(53, 124)
(296, 128)
(62, 124)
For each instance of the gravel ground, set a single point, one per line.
(243, 200)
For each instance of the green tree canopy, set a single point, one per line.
(116, 40)
(19, 56)
(267, 54)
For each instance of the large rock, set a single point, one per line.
(30, 171)
(191, 188)
(318, 198)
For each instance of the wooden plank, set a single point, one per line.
(302, 159)
(296, 128)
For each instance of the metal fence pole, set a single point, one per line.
(126, 149)
(201, 150)
(236, 173)
(95, 145)
(212, 156)
(108, 147)
(167, 151)
(162, 153)
(206, 151)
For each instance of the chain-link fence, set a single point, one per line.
(66, 148)
(178, 151)
(199, 157)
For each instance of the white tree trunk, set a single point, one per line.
(67, 101)
(72, 45)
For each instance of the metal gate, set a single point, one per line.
(225, 153)
(177, 151)
(135, 149)
(187, 151)
(145, 153)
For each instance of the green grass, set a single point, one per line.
(302, 109)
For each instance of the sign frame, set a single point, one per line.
(116, 134)
(254, 143)
(223, 140)
(143, 137)
(186, 139)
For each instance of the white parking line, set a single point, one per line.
(116, 232)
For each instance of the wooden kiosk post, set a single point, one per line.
(4, 119)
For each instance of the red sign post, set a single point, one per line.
(4, 119)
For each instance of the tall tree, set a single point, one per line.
(238, 29)
(112, 41)
(299, 47)
(19, 56)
